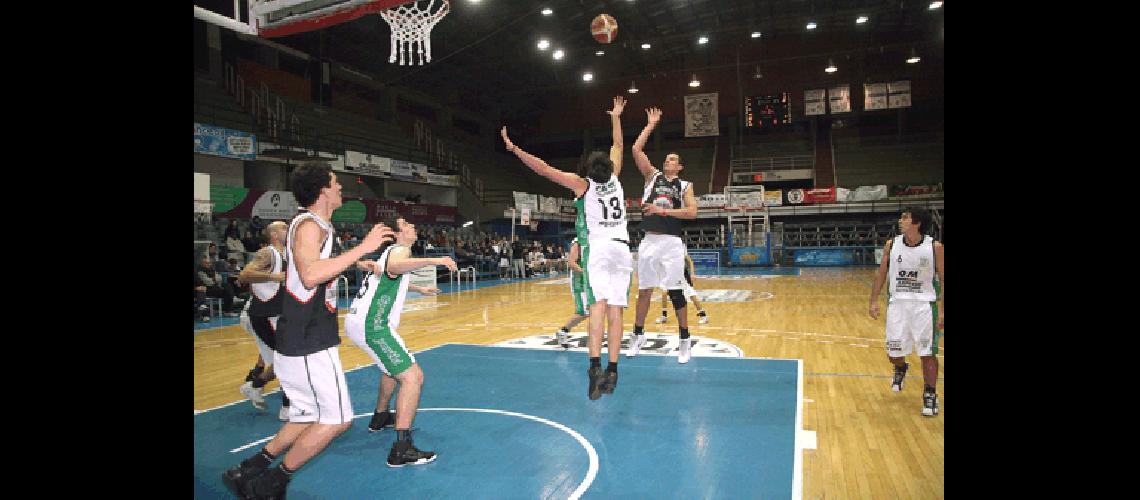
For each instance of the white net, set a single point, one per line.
(202, 211)
(744, 197)
(411, 25)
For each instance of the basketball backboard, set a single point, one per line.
(276, 18)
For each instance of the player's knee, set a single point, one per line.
(678, 298)
(413, 375)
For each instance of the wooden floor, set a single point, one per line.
(872, 443)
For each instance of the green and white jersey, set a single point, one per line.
(380, 300)
(601, 212)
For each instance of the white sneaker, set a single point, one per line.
(704, 319)
(686, 348)
(563, 339)
(283, 414)
(635, 345)
(661, 319)
(253, 395)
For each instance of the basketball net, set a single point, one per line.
(411, 27)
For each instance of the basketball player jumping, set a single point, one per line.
(661, 254)
(259, 317)
(307, 361)
(914, 305)
(602, 234)
(371, 324)
(578, 290)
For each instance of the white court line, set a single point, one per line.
(800, 439)
(591, 471)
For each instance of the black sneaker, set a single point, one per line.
(900, 374)
(405, 453)
(269, 486)
(609, 383)
(239, 478)
(929, 404)
(382, 419)
(594, 390)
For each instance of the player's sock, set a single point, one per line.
(684, 333)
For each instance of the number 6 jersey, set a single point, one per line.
(601, 212)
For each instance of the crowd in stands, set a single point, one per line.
(492, 255)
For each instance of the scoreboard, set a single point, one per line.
(767, 111)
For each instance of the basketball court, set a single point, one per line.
(793, 370)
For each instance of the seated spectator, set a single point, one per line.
(201, 309)
(232, 230)
(218, 287)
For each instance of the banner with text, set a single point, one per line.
(839, 98)
(814, 101)
(899, 94)
(874, 96)
(220, 141)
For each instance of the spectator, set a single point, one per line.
(217, 287)
(232, 230)
(256, 225)
(517, 256)
(201, 309)
(250, 243)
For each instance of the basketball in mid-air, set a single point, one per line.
(604, 28)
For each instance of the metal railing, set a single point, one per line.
(791, 162)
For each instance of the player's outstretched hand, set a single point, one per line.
(377, 236)
(653, 115)
(619, 106)
(507, 141)
(446, 262)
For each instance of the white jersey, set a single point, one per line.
(604, 209)
(381, 299)
(266, 290)
(293, 278)
(912, 270)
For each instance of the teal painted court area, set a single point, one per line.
(516, 423)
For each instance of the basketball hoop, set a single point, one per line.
(411, 25)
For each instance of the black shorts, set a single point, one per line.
(264, 330)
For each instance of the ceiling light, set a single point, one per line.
(547, 11)
(861, 20)
(831, 67)
(558, 54)
(703, 39)
(755, 34)
(935, 5)
(811, 25)
(543, 45)
(913, 57)
(600, 53)
(632, 88)
(587, 76)
(695, 82)
(645, 45)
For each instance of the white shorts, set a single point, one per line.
(397, 357)
(315, 386)
(686, 288)
(266, 352)
(910, 326)
(608, 267)
(661, 262)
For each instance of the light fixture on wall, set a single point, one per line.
(587, 76)
(694, 82)
(758, 75)
(913, 57)
(632, 88)
(543, 44)
(558, 55)
(830, 66)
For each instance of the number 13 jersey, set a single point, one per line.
(601, 212)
